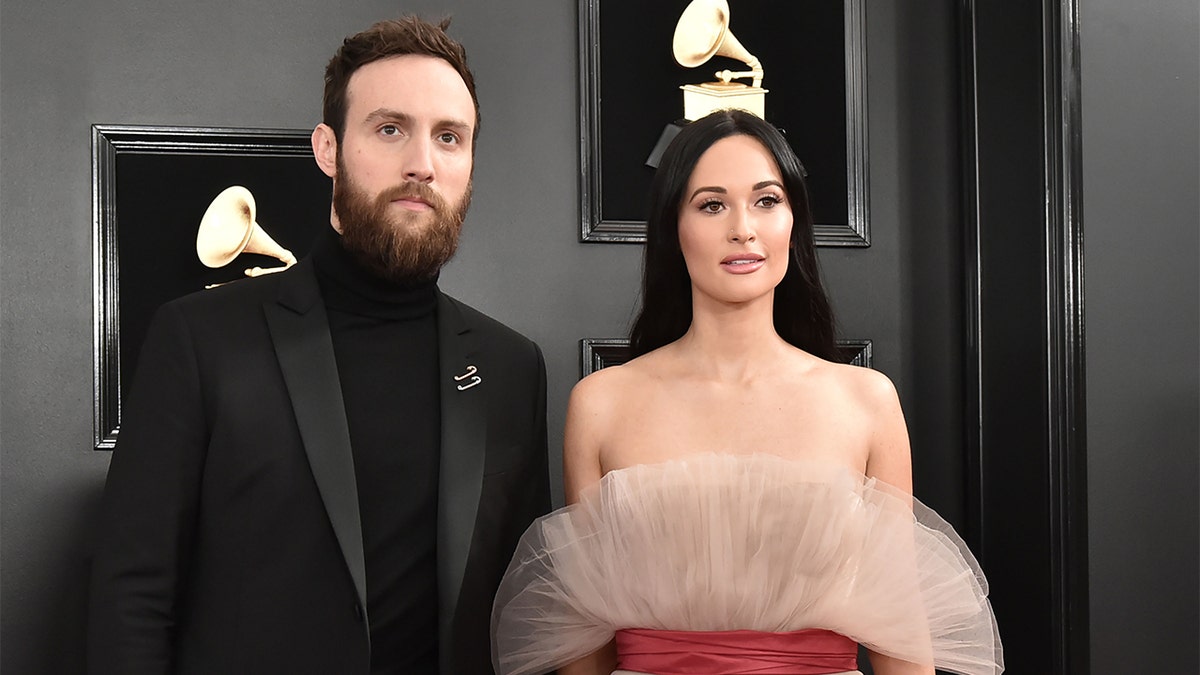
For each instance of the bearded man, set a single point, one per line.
(327, 470)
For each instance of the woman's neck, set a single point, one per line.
(732, 342)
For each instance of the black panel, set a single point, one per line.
(150, 188)
(1026, 479)
(630, 93)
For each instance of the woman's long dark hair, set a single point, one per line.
(802, 313)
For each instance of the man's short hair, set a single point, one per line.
(385, 39)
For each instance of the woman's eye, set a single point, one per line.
(711, 206)
(770, 201)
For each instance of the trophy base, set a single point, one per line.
(700, 100)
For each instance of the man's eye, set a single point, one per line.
(448, 137)
(389, 130)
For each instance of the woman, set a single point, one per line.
(739, 502)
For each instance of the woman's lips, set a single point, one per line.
(743, 263)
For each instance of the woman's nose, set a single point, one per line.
(742, 231)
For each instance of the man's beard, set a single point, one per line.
(407, 248)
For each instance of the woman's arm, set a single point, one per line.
(889, 458)
(587, 410)
(890, 461)
(887, 665)
(600, 662)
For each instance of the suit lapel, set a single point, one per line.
(300, 332)
(464, 430)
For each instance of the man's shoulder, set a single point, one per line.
(228, 298)
(492, 328)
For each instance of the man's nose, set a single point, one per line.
(418, 160)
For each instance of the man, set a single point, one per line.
(327, 470)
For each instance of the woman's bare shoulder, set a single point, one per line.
(632, 373)
(598, 412)
(865, 386)
(867, 382)
(607, 385)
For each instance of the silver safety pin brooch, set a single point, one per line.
(471, 378)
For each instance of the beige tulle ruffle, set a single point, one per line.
(758, 542)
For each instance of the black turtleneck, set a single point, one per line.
(386, 346)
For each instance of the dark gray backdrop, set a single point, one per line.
(1141, 215)
(233, 64)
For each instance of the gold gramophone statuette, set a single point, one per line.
(228, 229)
(702, 33)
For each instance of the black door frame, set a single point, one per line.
(1027, 473)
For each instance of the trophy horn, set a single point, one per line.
(228, 229)
(703, 32)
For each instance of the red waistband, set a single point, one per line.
(737, 652)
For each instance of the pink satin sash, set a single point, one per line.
(735, 652)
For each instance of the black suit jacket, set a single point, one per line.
(230, 540)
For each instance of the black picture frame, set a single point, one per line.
(814, 56)
(150, 187)
(599, 353)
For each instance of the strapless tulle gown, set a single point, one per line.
(733, 542)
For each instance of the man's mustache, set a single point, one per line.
(411, 190)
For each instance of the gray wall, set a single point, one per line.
(224, 63)
(236, 64)
(1141, 221)
(65, 66)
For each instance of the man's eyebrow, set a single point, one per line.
(389, 115)
(457, 125)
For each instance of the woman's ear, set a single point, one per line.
(324, 146)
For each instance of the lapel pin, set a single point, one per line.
(470, 377)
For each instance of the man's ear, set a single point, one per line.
(324, 146)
